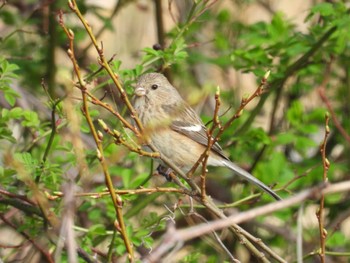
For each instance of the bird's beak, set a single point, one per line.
(140, 91)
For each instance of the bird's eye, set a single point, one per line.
(154, 86)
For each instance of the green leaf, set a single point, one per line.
(84, 127)
(284, 138)
(151, 51)
(138, 180)
(336, 239)
(9, 18)
(295, 113)
(116, 65)
(31, 119)
(25, 158)
(6, 134)
(303, 144)
(16, 113)
(120, 249)
(28, 162)
(5, 114)
(149, 220)
(278, 27)
(95, 215)
(10, 97)
(138, 69)
(310, 128)
(325, 9)
(97, 229)
(274, 169)
(223, 16)
(6, 76)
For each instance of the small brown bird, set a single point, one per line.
(176, 130)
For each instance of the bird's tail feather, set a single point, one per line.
(247, 176)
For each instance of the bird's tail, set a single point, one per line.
(247, 176)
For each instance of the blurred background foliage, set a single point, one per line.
(230, 44)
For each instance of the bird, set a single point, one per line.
(176, 130)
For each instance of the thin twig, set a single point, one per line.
(199, 230)
(263, 246)
(96, 195)
(192, 17)
(108, 107)
(322, 93)
(279, 82)
(320, 212)
(119, 139)
(17, 196)
(299, 242)
(4, 2)
(243, 236)
(216, 124)
(45, 254)
(217, 238)
(104, 63)
(53, 132)
(213, 139)
(170, 2)
(117, 201)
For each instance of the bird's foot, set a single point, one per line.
(165, 171)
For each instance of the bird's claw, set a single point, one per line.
(165, 171)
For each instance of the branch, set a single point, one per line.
(320, 212)
(322, 93)
(175, 236)
(104, 63)
(116, 199)
(279, 83)
(96, 195)
(45, 254)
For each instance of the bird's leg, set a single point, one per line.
(169, 175)
(165, 171)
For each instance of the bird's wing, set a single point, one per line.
(187, 122)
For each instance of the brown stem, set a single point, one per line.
(320, 212)
(116, 199)
(104, 63)
(52, 42)
(337, 124)
(192, 232)
(45, 254)
(160, 23)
